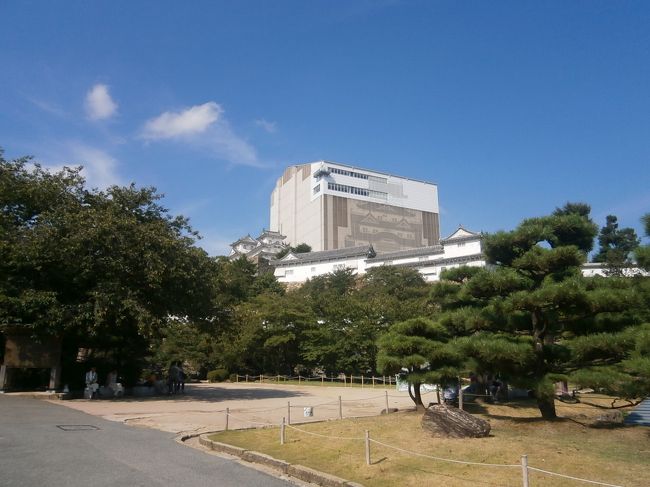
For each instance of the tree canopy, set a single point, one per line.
(103, 270)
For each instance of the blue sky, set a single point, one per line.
(512, 108)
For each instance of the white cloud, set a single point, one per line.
(99, 104)
(270, 127)
(194, 120)
(99, 168)
(205, 128)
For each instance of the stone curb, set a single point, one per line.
(305, 474)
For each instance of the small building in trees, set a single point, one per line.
(463, 247)
(266, 246)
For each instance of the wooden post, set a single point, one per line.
(288, 412)
(322, 380)
(460, 395)
(260, 378)
(278, 378)
(246, 377)
(361, 381)
(524, 470)
(282, 426)
(367, 447)
(237, 379)
(298, 379)
(373, 381)
(227, 417)
(340, 409)
(386, 402)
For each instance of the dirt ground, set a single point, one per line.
(202, 408)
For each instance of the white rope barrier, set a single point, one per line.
(249, 421)
(445, 459)
(572, 478)
(325, 436)
(368, 440)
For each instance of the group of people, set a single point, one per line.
(176, 378)
(110, 389)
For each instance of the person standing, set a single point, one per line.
(181, 378)
(91, 382)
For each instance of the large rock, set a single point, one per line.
(450, 422)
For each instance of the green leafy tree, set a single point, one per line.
(342, 341)
(643, 252)
(103, 270)
(615, 246)
(271, 330)
(520, 318)
(419, 350)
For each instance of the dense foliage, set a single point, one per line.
(112, 274)
(102, 270)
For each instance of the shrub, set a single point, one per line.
(218, 375)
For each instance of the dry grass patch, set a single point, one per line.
(571, 446)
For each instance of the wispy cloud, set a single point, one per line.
(204, 127)
(99, 168)
(270, 127)
(48, 107)
(99, 104)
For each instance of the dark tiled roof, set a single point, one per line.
(402, 254)
(247, 239)
(271, 233)
(438, 262)
(325, 255)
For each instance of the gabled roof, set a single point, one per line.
(325, 255)
(461, 234)
(271, 233)
(246, 239)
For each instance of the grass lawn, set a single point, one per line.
(571, 445)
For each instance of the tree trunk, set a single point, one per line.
(546, 406)
(545, 398)
(416, 396)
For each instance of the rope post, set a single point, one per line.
(460, 395)
(386, 401)
(227, 416)
(288, 412)
(524, 470)
(367, 447)
(340, 409)
(282, 427)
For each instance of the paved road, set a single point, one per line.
(48, 445)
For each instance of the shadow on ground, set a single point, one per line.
(212, 394)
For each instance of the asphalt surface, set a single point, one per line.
(48, 445)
